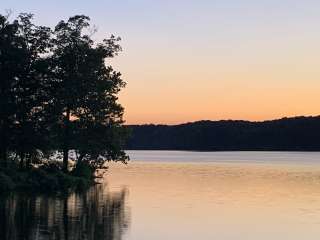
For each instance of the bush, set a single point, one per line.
(48, 178)
(83, 170)
(52, 167)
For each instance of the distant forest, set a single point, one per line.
(287, 134)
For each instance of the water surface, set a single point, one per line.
(181, 195)
(224, 195)
(95, 214)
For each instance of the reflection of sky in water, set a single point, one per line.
(210, 196)
(300, 158)
(247, 200)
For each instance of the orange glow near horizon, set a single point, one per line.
(255, 89)
(269, 77)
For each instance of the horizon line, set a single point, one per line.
(223, 120)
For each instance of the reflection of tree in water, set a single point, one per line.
(94, 215)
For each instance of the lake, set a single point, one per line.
(163, 195)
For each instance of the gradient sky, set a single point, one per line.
(220, 59)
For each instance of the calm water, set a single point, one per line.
(181, 195)
(96, 214)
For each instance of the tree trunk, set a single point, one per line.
(3, 148)
(80, 158)
(28, 161)
(4, 156)
(22, 156)
(66, 141)
(65, 159)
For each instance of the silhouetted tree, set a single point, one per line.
(85, 89)
(12, 58)
(57, 93)
(30, 96)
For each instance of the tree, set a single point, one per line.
(57, 93)
(85, 104)
(12, 55)
(23, 70)
(29, 128)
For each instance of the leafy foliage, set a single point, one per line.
(57, 94)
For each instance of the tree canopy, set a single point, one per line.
(58, 93)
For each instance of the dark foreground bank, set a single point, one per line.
(288, 134)
(48, 178)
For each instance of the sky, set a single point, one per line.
(195, 60)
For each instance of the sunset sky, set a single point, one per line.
(189, 60)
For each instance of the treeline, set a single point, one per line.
(58, 93)
(288, 134)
